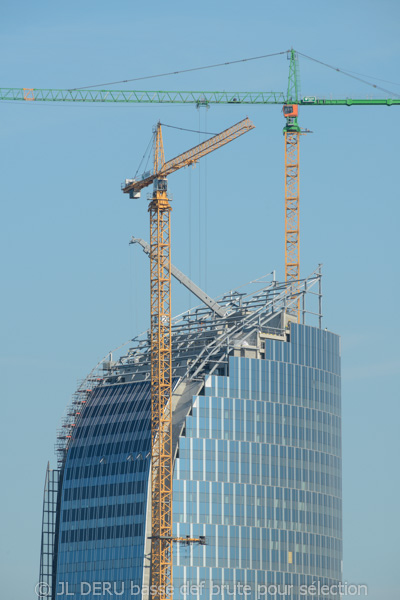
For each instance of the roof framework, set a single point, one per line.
(202, 341)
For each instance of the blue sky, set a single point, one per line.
(72, 286)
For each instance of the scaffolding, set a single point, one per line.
(48, 554)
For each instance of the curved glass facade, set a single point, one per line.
(104, 493)
(259, 474)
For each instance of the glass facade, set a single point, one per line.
(104, 493)
(259, 474)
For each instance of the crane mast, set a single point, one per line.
(160, 348)
(161, 378)
(292, 181)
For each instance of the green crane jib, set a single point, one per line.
(164, 97)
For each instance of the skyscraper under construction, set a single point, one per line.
(256, 449)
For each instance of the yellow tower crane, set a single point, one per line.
(160, 345)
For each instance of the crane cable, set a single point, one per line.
(349, 74)
(205, 214)
(224, 64)
(190, 235)
(146, 152)
(134, 278)
(199, 208)
(191, 130)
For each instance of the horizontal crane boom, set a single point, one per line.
(314, 101)
(137, 96)
(174, 97)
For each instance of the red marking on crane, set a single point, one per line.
(28, 94)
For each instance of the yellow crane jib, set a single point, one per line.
(163, 169)
(160, 347)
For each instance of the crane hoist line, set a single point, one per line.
(160, 345)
